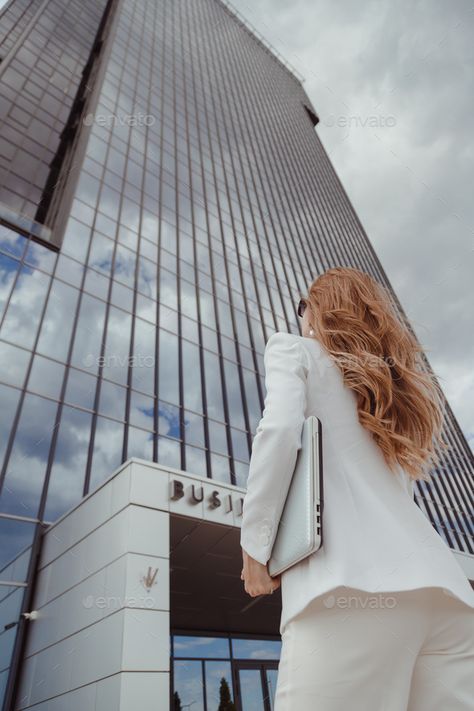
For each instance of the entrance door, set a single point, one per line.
(255, 684)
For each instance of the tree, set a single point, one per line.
(226, 703)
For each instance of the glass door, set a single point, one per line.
(255, 683)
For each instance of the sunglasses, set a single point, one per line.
(302, 304)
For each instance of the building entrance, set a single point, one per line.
(255, 685)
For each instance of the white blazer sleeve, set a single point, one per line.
(275, 444)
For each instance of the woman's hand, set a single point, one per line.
(256, 577)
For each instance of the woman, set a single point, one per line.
(381, 618)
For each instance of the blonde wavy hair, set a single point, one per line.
(399, 400)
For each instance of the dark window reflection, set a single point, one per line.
(17, 537)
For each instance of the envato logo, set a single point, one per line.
(106, 602)
(107, 120)
(112, 361)
(359, 121)
(348, 360)
(362, 602)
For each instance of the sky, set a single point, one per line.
(393, 86)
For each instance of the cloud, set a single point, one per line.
(393, 86)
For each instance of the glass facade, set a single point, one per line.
(193, 202)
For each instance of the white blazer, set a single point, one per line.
(375, 536)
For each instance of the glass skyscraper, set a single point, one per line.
(164, 199)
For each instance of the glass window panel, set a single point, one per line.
(16, 537)
(82, 212)
(105, 226)
(215, 401)
(168, 420)
(209, 338)
(122, 297)
(66, 483)
(200, 647)
(124, 266)
(58, 321)
(252, 398)
(101, 253)
(76, 239)
(217, 437)
(10, 611)
(128, 237)
(168, 368)
(193, 428)
(251, 690)
(140, 444)
(24, 310)
(13, 364)
(69, 270)
(206, 304)
(234, 395)
(189, 329)
(107, 455)
(12, 242)
(27, 464)
(196, 461)
(256, 648)
(169, 452)
(220, 468)
(168, 319)
(130, 213)
(96, 284)
(168, 289)
(188, 685)
(143, 361)
(218, 676)
(46, 377)
(112, 400)
(146, 308)
(188, 299)
(80, 389)
(142, 410)
(39, 256)
(116, 356)
(147, 277)
(239, 444)
(88, 189)
(241, 473)
(272, 680)
(191, 377)
(89, 334)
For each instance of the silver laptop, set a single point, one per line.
(300, 531)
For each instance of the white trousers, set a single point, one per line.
(395, 651)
